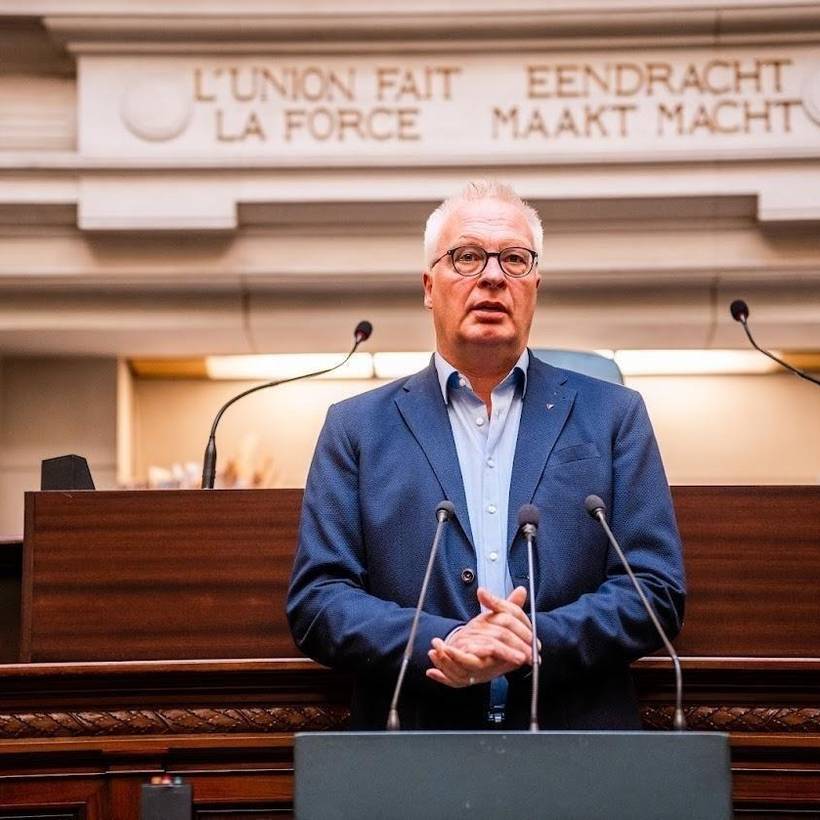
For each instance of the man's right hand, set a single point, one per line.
(493, 643)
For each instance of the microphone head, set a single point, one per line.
(445, 510)
(362, 331)
(528, 514)
(739, 310)
(594, 505)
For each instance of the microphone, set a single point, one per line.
(444, 512)
(360, 334)
(528, 518)
(597, 509)
(740, 313)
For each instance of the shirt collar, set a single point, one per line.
(448, 376)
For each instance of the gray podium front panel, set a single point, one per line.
(522, 775)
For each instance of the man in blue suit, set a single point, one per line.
(489, 427)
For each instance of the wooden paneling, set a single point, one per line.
(115, 582)
(770, 707)
(70, 795)
(11, 556)
(190, 574)
(157, 574)
(753, 570)
(89, 734)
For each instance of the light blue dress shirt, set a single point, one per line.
(485, 445)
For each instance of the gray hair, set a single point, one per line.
(480, 189)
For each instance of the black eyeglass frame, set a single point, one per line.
(487, 256)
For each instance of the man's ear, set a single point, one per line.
(427, 281)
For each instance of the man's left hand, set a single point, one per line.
(478, 652)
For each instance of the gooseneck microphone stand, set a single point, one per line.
(444, 512)
(528, 519)
(740, 313)
(597, 510)
(361, 334)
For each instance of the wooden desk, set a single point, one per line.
(101, 710)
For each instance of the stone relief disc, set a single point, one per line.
(157, 107)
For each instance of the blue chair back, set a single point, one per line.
(582, 361)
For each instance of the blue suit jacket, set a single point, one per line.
(385, 459)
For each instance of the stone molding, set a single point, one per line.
(438, 26)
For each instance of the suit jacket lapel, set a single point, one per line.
(425, 413)
(547, 404)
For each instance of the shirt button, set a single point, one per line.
(493, 556)
(479, 421)
(490, 462)
(491, 508)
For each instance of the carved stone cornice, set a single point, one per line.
(455, 25)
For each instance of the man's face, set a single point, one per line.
(490, 309)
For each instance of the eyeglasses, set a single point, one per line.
(470, 260)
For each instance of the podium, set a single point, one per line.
(478, 775)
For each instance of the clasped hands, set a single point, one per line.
(496, 642)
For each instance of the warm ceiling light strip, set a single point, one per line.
(808, 360)
(692, 362)
(169, 368)
(288, 365)
(396, 365)
(393, 365)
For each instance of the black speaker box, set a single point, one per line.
(166, 802)
(65, 473)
